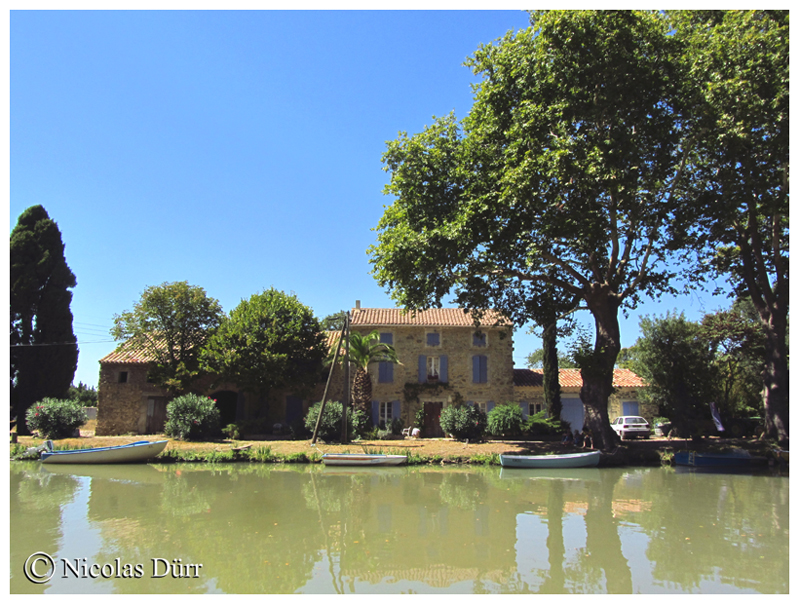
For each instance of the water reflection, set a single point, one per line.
(283, 529)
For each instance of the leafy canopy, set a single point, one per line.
(171, 322)
(270, 341)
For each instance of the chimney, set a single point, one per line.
(358, 304)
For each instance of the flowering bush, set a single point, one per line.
(505, 420)
(192, 417)
(55, 418)
(463, 422)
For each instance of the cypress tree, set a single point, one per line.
(44, 350)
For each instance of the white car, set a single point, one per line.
(631, 426)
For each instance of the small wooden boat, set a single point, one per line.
(139, 451)
(717, 459)
(576, 460)
(363, 459)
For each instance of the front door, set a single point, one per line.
(431, 412)
(156, 415)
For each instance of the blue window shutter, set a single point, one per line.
(479, 340)
(376, 413)
(523, 405)
(385, 371)
(479, 373)
(489, 406)
(433, 339)
(423, 368)
(386, 338)
(470, 403)
(443, 368)
(396, 408)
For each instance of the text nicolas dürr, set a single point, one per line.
(162, 568)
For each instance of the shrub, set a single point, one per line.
(330, 427)
(55, 418)
(231, 431)
(505, 420)
(463, 422)
(191, 417)
(540, 424)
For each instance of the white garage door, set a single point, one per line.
(572, 412)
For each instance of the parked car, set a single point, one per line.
(631, 426)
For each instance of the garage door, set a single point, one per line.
(572, 412)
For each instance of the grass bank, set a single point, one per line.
(650, 452)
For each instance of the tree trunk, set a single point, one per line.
(597, 371)
(776, 378)
(362, 390)
(552, 389)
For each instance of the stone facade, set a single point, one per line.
(445, 359)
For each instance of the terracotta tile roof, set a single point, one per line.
(129, 352)
(431, 317)
(571, 378)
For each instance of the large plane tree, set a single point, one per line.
(565, 174)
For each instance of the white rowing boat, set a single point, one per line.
(363, 459)
(577, 460)
(139, 451)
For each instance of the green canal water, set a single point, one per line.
(253, 528)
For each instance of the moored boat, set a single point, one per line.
(576, 460)
(363, 459)
(717, 459)
(139, 451)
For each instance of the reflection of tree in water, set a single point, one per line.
(462, 490)
(35, 500)
(181, 498)
(722, 527)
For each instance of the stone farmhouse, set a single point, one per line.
(445, 359)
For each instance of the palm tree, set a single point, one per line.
(365, 350)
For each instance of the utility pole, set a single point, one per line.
(346, 403)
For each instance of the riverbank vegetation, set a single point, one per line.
(651, 452)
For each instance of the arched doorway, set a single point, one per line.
(226, 404)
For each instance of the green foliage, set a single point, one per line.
(330, 427)
(231, 431)
(86, 395)
(333, 322)
(505, 420)
(677, 363)
(535, 360)
(43, 354)
(192, 418)
(171, 323)
(542, 424)
(56, 418)
(463, 422)
(736, 66)
(271, 341)
(419, 419)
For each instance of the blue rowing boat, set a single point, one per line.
(716, 459)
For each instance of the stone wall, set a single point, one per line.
(122, 406)
(456, 344)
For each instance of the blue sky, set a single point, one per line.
(235, 150)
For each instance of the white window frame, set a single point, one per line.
(434, 366)
(532, 405)
(481, 406)
(385, 413)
